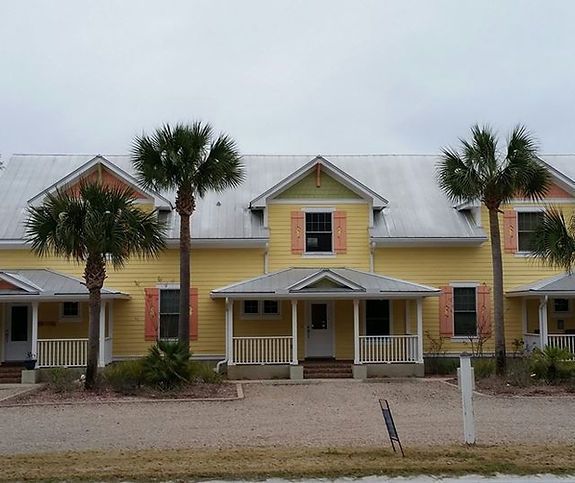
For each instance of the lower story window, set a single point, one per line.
(169, 313)
(377, 317)
(464, 311)
(259, 308)
(70, 310)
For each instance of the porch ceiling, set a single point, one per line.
(562, 285)
(334, 283)
(43, 284)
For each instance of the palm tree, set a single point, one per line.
(481, 172)
(91, 226)
(190, 160)
(554, 241)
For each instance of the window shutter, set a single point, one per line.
(194, 313)
(510, 231)
(297, 232)
(340, 231)
(484, 310)
(152, 317)
(446, 312)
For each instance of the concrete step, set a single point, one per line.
(10, 374)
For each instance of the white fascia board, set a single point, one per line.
(221, 242)
(428, 242)
(324, 295)
(321, 275)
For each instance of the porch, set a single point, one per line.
(278, 321)
(548, 313)
(44, 316)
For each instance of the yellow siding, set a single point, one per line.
(280, 255)
(329, 189)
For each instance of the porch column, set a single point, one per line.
(230, 331)
(102, 327)
(543, 339)
(34, 347)
(420, 330)
(356, 332)
(294, 360)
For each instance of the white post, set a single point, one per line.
(543, 339)
(34, 348)
(356, 332)
(466, 384)
(524, 321)
(111, 320)
(408, 329)
(294, 360)
(102, 342)
(230, 331)
(420, 330)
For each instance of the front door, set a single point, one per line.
(319, 330)
(18, 333)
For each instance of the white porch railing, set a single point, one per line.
(562, 341)
(263, 350)
(388, 348)
(62, 352)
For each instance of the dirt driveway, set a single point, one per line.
(323, 414)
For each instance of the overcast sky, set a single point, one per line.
(285, 76)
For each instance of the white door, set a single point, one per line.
(319, 330)
(18, 333)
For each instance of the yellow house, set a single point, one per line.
(316, 266)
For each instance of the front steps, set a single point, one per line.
(327, 369)
(10, 374)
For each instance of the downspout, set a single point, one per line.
(267, 258)
(372, 256)
(219, 364)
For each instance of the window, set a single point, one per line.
(560, 305)
(318, 232)
(377, 317)
(260, 308)
(169, 313)
(464, 312)
(70, 310)
(527, 222)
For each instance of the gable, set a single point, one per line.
(5, 285)
(555, 191)
(327, 283)
(104, 176)
(318, 185)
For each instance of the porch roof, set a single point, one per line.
(562, 285)
(43, 284)
(331, 283)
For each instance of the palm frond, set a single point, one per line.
(554, 243)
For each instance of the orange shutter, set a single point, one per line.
(297, 232)
(152, 310)
(446, 312)
(484, 310)
(340, 231)
(510, 231)
(194, 313)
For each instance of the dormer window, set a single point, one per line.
(318, 232)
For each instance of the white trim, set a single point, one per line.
(561, 315)
(221, 242)
(321, 275)
(464, 284)
(473, 285)
(531, 209)
(312, 254)
(294, 332)
(428, 241)
(168, 286)
(551, 201)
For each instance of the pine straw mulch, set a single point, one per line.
(48, 395)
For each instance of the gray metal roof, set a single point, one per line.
(302, 282)
(45, 283)
(563, 284)
(417, 210)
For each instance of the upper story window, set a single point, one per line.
(527, 223)
(169, 313)
(464, 311)
(318, 232)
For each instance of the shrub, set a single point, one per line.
(551, 364)
(202, 372)
(441, 366)
(519, 371)
(124, 376)
(484, 367)
(62, 379)
(166, 366)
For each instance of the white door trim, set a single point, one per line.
(330, 324)
(8, 329)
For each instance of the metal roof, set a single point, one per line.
(43, 283)
(417, 210)
(559, 285)
(305, 283)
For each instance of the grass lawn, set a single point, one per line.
(288, 462)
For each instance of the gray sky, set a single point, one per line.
(285, 76)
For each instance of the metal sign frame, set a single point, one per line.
(390, 424)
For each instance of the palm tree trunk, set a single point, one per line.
(94, 274)
(497, 262)
(184, 318)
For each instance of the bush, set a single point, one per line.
(441, 366)
(519, 371)
(62, 379)
(484, 367)
(124, 376)
(166, 366)
(551, 364)
(202, 372)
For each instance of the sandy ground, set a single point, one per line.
(325, 414)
